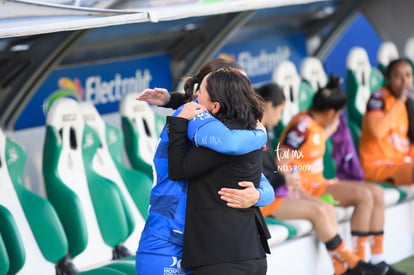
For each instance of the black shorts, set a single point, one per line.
(251, 267)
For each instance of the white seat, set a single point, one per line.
(409, 48)
(340, 213)
(302, 226)
(409, 189)
(343, 213)
(311, 70)
(34, 262)
(391, 196)
(279, 234)
(106, 167)
(386, 53)
(298, 94)
(142, 139)
(65, 117)
(358, 62)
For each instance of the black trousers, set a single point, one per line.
(251, 267)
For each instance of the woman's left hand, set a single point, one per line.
(191, 110)
(240, 198)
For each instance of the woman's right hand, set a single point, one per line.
(156, 96)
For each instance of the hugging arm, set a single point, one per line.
(185, 163)
(214, 135)
(249, 195)
(224, 140)
(176, 100)
(267, 193)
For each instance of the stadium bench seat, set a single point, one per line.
(295, 228)
(279, 234)
(141, 127)
(93, 210)
(283, 231)
(298, 92)
(33, 236)
(361, 81)
(303, 227)
(409, 50)
(343, 213)
(407, 190)
(312, 71)
(134, 185)
(4, 258)
(386, 53)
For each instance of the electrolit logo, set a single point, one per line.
(263, 63)
(67, 88)
(98, 90)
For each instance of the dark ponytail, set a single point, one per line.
(329, 97)
(271, 92)
(192, 84)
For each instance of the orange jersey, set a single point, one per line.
(303, 142)
(393, 148)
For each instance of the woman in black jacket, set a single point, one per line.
(219, 239)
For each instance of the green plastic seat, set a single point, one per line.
(409, 50)
(93, 210)
(313, 72)
(387, 52)
(141, 127)
(291, 229)
(12, 242)
(361, 81)
(402, 193)
(32, 233)
(329, 164)
(297, 91)
(4, 257)
(134, 185)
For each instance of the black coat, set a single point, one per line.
(214, 232)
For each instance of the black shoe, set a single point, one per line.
(119, 252)
(391, 270)
(66, 267)
(363, 268)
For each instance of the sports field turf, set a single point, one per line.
(406, 265)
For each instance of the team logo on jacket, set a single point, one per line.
(174, 268)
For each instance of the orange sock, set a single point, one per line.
(360, 246)
(345, 254)
(377, 244)
(338, 265)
